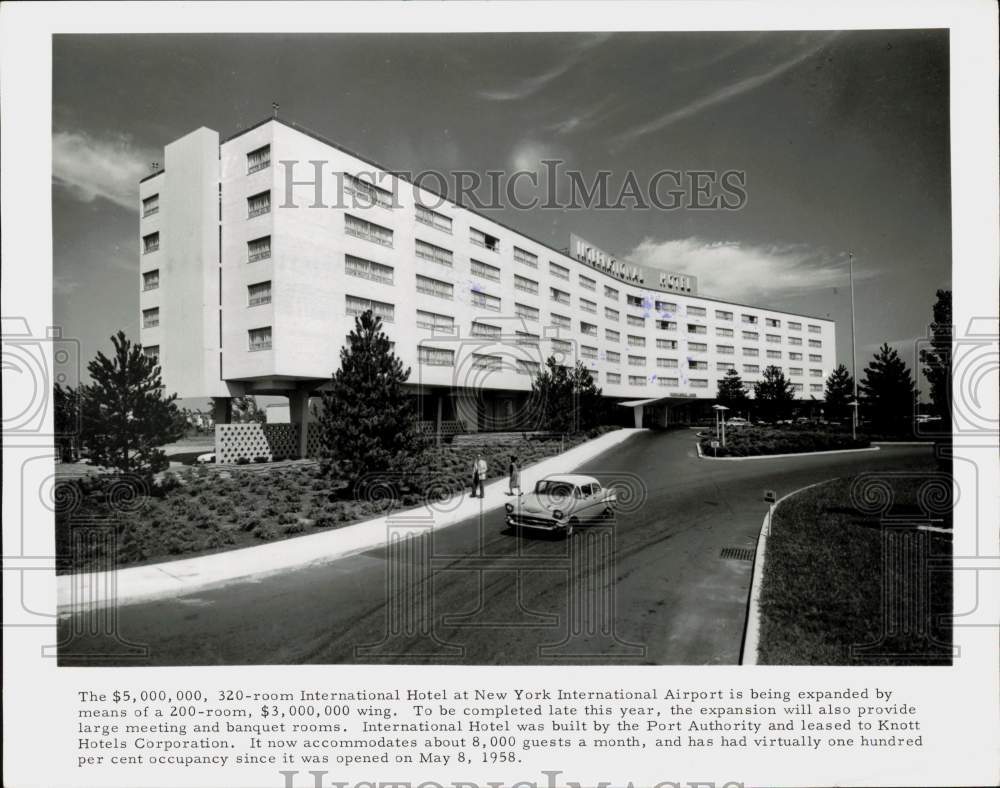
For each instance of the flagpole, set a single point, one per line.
(854, 356)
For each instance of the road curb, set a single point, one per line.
(785, 456)
(751, 631)
(175, 578)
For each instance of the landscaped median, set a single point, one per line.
(765, 441)
(856, 572)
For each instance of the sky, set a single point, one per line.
(843, 138)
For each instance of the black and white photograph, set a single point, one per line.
(430, 362)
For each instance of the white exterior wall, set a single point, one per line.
(308, 318)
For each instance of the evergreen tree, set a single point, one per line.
(66, 418)
(936, 359)
(368, 423)
(839, 393)
(591, 406)
(773, 394)
(553, 388)
(125, 415)
(888, 394)
(732, 392)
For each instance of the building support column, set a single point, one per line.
(298, 411)
(637, 415)
(222, 413)
(437, 418)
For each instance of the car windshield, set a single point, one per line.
(554, 489)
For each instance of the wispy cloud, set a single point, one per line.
(720, 95)
(531, 85)
(747, 273)
(93, 168)
(579, 121)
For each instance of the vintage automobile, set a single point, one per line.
(559, 503)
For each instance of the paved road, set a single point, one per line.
(478, 594)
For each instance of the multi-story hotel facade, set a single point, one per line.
(257, 252)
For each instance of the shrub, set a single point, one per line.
(266, 532)
(294, 527)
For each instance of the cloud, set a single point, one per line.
(580, 120)
(93, 168)
(720, 95)
(747, 273)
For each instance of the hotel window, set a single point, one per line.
(485, 330)
(798, 388)
(438, 324)
(633, 300)
(588, 352)
(355, 306)
(433, 219)
(559, 296)
(525, 257)
(750, 319)
(815, 388)
(774, 354)
(561, 346)
(815, 343)
(813, 329)
(696, 311)
(614, 377)
(610, 292)
(528, 367)
(527, 338)
(558, 271)
(667, 363)
(635, 341)
(751, 369)
(487, 241)
(753, 336)
(772, 322)
(697, 347)
(612, 336)
(588, 306)
(666, 325)
(666, 344)
(434, 254)
(150, 205)
(485, 271)
(724, 366)
(435, 287)
(259, 249)
(259, 159)
(435, 357)
(774, 339)
(367, 194)
(815, 357)
(666, 306)
(151, 279)
(560, 321)
(526, 285)
(587, 283)
(525, 311)
(259, 294)
(367, 269)
(694, 328)
(751, 352)
(588, 328)
(259, 338)
(795, 340)
(669, 383)
(258, 204)
(151, 317)
(792, 326)
(795, 370)
(367, 231)
(637, 361)
(635, 320)
(637, 380)
(815, 373)
(613, 356)
(150, 243)
(725, 350)
(152, 352)
(611, 314)
(794, 356)
(723, 315)
(698, 383)
(485, 301)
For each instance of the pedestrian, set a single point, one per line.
(514, 476)
(479, 469)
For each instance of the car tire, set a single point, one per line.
(569, 528)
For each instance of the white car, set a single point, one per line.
(559, 503)
(737, 422)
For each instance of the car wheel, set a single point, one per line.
(568, 530)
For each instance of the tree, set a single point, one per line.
(553, 388)
(66, 418)
(368, 423)
(125, 415)
(732, 391)
(774, 394)
(888, 394)
(839, 393)
(591, 405)
(936, 359)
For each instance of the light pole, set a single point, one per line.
(854, 354)
(720, 416)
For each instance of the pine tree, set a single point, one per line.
(839, 394)
(936, 360)
(125, 415)
(553, 390)
(368, 424)
(732, 391)
(591, 406)
(888, 394)
(773, 394)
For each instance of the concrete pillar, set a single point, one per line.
(298, 411)
(222, 413)
(637, 416)
(437, 419)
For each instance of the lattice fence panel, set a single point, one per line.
(234, 442)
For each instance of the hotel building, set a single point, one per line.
(257, 252)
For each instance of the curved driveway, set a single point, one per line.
(652, 589)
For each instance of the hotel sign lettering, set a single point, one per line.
(585, 252)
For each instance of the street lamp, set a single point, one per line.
(720, 418)
(854, 419)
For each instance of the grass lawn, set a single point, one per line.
(755, 441)
(203, 509)
(822, 593)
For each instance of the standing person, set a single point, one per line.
(479, 469)
(514, 476)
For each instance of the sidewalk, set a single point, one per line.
(174, 578)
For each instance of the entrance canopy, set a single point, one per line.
(638, 405)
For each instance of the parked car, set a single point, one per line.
(737, 421)
(559, 503)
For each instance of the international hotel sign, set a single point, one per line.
(584, 251)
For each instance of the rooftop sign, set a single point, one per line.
(585, 252)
